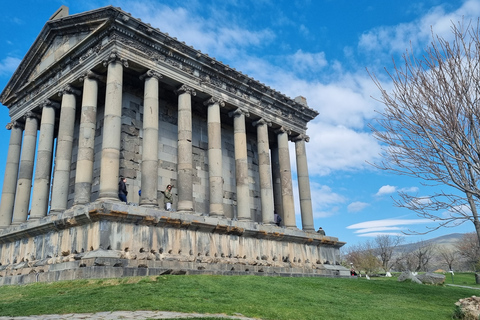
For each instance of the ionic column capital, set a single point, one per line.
(301, 137)
(114, 57)
(92, 75)
(238, 112)
(49, 103)
(30, 114)
(186, 89)
(14, 124)
(68, 89)
(213, 100)
(283, 130)
(261, 122)
(151, 74)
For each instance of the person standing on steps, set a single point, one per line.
(122, 189)
(168, 198)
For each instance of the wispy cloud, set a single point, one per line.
(386, 226)
(8, 65)
(357, 206)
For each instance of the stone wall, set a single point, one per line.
(129, 236)
(131, 159)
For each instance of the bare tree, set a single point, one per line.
(422, 255)
(363, 257)
(469, 250)
(449, 256)
(431, 126)
(385, 246)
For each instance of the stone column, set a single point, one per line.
(43, 168)
(11, 174)
(150, 140)
(184, 163)
(63, 154)
(215, 167)
(277, 183)
(112, 128)
(24, 183)
(304, 183)
(264, 168)
(86, 139)
(241, 165)
(286, 176)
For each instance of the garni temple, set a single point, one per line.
(102, 95)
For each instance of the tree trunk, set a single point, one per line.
(477, 278)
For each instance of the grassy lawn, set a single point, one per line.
(252, 296)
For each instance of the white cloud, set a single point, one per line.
(357, 206)
(304, 61)
(386, 190)
(8, 65)
(387, 223)
(409, 189)
(375, 229)
(325, 202)
(396, 39)
(376, 234)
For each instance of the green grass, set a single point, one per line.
(260, 297)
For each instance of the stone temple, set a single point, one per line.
(101, 95)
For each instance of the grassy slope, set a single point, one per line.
(262, 297)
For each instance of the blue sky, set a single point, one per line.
(319, 49)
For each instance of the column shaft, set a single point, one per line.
(184, 164)
(43, 170)
(24, 185)
(150, 141)
(215, 166)
(86, 141)
(11, 175)
(112, 128)
(304, 185)
(286, 176)
(264, 168)
(241, 166)
(63, 154)
(277, 183)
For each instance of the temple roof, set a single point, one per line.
(68, 40)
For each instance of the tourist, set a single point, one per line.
(277, 218)
(122, 189)
(321, 231)
(168, 198)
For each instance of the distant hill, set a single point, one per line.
(448, 240)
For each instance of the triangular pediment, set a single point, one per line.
(58, 38)
(57, 49)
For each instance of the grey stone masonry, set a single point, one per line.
(286, 179)
(24, 182)
(86, 139)
(110, 161)
(41, 186)
(215, 168)
(241, 165)
(63, 158)
(184, 159)
(304, 183)
(157, 112)
(266, 188)
(150, 140)
(11, 172)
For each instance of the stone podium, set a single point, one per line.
(109, 96)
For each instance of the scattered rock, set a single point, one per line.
(469, 308)
(431, 278)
